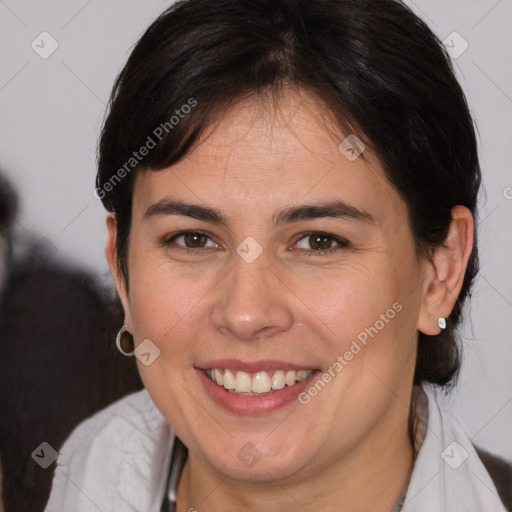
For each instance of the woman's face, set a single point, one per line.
(275, 284)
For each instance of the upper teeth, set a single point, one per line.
(260, 382)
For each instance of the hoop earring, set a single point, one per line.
(123, 329)
(441, 322)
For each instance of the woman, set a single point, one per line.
(291, 188)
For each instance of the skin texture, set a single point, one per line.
(348, 448)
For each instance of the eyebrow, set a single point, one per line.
(334, 209)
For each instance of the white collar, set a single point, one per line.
(448, 474)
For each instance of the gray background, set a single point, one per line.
(51, 113)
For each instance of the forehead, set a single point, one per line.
(261, 154)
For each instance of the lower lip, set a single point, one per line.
(255, 405)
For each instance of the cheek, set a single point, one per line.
(351, 299)
(164, 300)
(367, 313)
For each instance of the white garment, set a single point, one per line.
(115, 461)
(438, 482)
(118, 460)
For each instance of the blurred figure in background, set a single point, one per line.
(59, 363)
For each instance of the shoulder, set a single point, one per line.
(500, 471)
(130, 412)
(120, 454)
(481, 481)
(129, 416)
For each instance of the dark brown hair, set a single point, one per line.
(373, 64)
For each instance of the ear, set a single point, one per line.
(446, 270)
(113, 263)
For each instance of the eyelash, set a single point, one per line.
(342, 243)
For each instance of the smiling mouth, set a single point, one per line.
(256, 384)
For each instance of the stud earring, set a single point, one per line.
(441, 322)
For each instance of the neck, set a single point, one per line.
(369, 478)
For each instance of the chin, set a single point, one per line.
(262, 461)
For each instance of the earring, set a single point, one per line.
(124, 329)
(441, 322)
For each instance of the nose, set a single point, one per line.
(253, 302)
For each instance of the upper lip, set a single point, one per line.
(252, 366)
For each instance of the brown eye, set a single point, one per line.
(321, 243)
(195, 240)
(190, 241)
